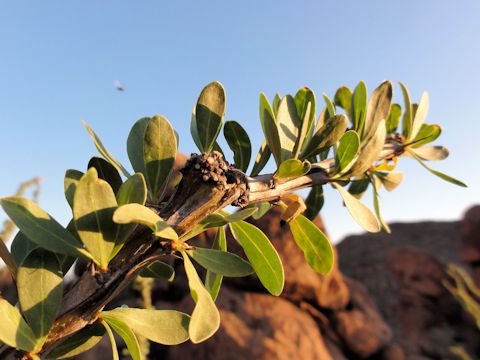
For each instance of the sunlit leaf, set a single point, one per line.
(292, 168)
(330, 106)
(326, 136)
(370, 151)
(20, 247)
(221, 262)
(359, 106)
(158, 269)
(262, 255)
(347, 151)
(122, 329)
(378, 108)
(431, 153)
(93, 207)
(238, 140)
(213, 281)
(357, 188)
(262, 158)
(104, 152)
(107, 172)
(393, 118)
(262, 209)
(376, 204)
(205, 319)
(426, 134)
(72, 177)
(390, 180)
(269, 127)
(288, 124)
(134, 190)
(167, 327)
(420, 116)
(14, 331)
(408, 112)
(41, 228)
(314, 244)
(112, 340)
(343, 98)
(360, 213)
(240, 215)
(40, 289)
(314, 202)
(305, 103)
(276, 103)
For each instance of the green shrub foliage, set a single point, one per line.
(350, 142)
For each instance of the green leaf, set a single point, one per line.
(159, 151)
(378, 108)
(305, 103)
(426, 134)
(347, 151)
(112, 340)
(221, 262)
(376, 204)
(288, 124)
(360, 213)
(167, 327)
(209, 113)
(127, 335)
(104, 152)
(238, 140)
(276, 103)
(326, 136)
(158, 269)
(40, 290)
(343, 98)
(93, 208)
(262, 209)
(431, 153)
(330, 106)
(134, 190)
(41, 228)
(262, 255)
(205, 319)
(359, 106)
(420, 115)
(314, 243)
(438, 173)
(213, 281)
(389, 180)
(78, 343)
(393, 118)
(240, 215)
(408, 114)
(14, 331)
(269, 128)
(107, 172)
(139, 214)
(314, 202)
(370, 151)
(262, 159)
(357, 188)
(21, 247)
(194, 131)
(72, 177)
(135, 145)
(292, 168)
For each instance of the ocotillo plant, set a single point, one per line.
(123, 223)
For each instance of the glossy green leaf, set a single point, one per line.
(276, 103)
(14, 331)
(134, 190)
(370, 151)
(357, 188)
(213, 281)
(112, 340)
(262, 255)
(194, 131)
(431, 153)
(240, 215)
(160, 270)
(347, 151)
(221, 262)
(167, 327)
(209, 113)
(41, 228)
(343, 98)
(408, 112)
(360, 213)
(359, 106)
(330, 106)
(72, 177)
(420, 116)
(314, 243)
(378, 108)
(262, 159)
(78, 343)
(104, 152)
(122, 329)
(393, 118)
(305, 103)
(262, 209)
(326, 136)
(426, 134)
(40, 290)
(135, 145)
(107, 172)
(288, 124)
(21, 246)
(438, 173)
(292, 168)
(269, 127)
(314, 202)
(93, 207)
(205, 319)
(376, 205)
(238, 140)
(390, 180)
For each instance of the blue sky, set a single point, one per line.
(59, 58)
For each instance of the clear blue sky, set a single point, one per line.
(58, 60)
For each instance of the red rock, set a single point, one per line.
(470, 236)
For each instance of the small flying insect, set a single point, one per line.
(118, 85)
